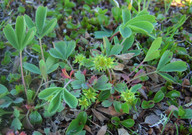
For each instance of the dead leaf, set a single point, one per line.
(102, 131)
(122, 131)
(186, 82)
(152, 119)
(142, 92)
(119, 67)
(87, 128)
(99, 115)
(154, 77)
(126, 56)
(110, 111)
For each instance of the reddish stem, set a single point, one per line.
(114, 35)
(135, 68)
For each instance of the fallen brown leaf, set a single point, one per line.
(122, 131)
(110, 111)
(99, 115)
(102, 130)
(119, 67)
(126, 56)
(87, 128)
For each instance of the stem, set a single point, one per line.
(22, 75)
(68, 83)
(114, 35)
(135, 68)
(141, 76)
(109, 74)
(38, 89)
(42, 54)
(69, 64)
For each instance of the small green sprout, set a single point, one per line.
(84, 102)
(103, 62)
(128, 96)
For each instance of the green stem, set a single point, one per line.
(141, 76)
(22, 75)
(42, 54)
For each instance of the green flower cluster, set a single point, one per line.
(128, 96)
(88, 97)
(103, 62)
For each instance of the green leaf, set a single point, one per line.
(55, 103)
(3, 91)
(77, 84)
(128, 123)
(77, 124)
(107, 45)
(43, 69)
(166, 76)
(11, 36)
(16, 113)
(174, 66)
(141, 27)
(165, 58)
(32, 68)
(29, 22)
(35, 118)
(29, 37)
(102, 83)
(147, 104)
(104, 95)
(16, 124)
(128, 43)
(63, 49)
(158, 96)
(20, 31)
(136, 87)
(116, 49)
(40, 18)
(44, 94)
(187, 115)
(115, 120)
(125, 31)
(70, 99)
(153, 51)
(101, 34)
(126, 107)
(36, 133)
(173, 94)
(49, 27)
(117, 106)
(126, 15)
(52, 68)
(140, 18)
(106, 103)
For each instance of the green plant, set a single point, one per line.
(19, 39)
(43, 27)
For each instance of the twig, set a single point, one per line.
(38, 89)
(68, 83)
(98, 126)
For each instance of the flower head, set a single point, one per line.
(103, 62)
(79, 59)
(128, 96)
(90, 94)
(84, 102)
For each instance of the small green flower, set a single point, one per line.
(128, 96)
(84, 102)
(90, 94)
(79, 59)
(103, 62)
